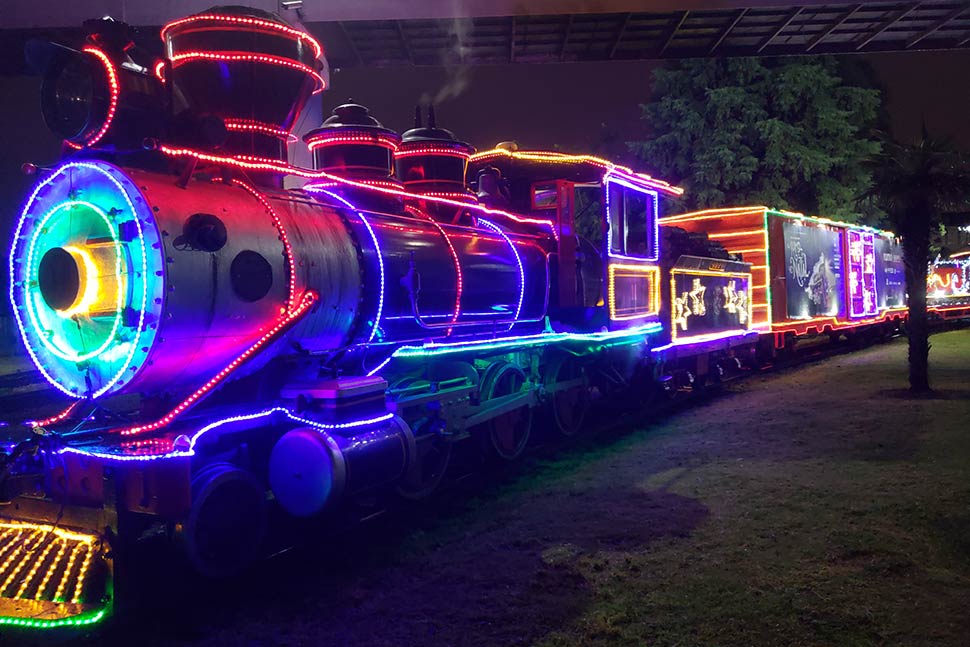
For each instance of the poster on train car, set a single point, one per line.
(890, 274)
(706, 303)
(813, 269)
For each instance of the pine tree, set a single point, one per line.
(787, 133)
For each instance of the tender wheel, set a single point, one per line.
(432, 460)
(227, 521)
(571, 397)
(506, 435)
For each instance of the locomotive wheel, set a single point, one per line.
(227, 521)
(569, 405)
(432, 460)
(506, 435)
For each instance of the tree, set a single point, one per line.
(787, 133)
(915, 184)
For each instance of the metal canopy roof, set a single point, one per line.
(804, 29)
(474, 32)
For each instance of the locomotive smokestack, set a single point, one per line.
(431, 119)
(417, 116)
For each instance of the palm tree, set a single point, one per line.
(914, 184)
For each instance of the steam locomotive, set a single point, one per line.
(238, 334)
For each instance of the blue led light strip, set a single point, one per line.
(190, 451)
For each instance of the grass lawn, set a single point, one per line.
(837, 512)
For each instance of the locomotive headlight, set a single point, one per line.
(79, 95)
(86, 278)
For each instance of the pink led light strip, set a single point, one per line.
(246, 57)
(249, 22)
(320, 140)
(261, 164)
(112, 101)
(428, 150)
(284, 321)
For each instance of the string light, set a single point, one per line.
(627, 271)
(253, 163)
(113, 92)
(194, 440)
(246, 125)
(319, 140)
(380, 260)
(287, 248)
(34, 315)
(454, 256)
(562, 158)
(247, 21)
(308, 300)
(652, 222)
(247, 57)
(17, 554)
(742, 336)
(432, 150)
(518, 261)
(48, 191)
(682, 317)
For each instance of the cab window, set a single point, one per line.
(632, 216)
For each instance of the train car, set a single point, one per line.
(235, 351)
(812, 276)
(948, 289)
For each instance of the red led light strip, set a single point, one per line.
(450, 195)
(61, 416)
(318, 141)
(454, 256)
(287, 248)
(159, 69)
(249, 22)
(284, 321)
(262, 164)
(112, 100)
(246, 57)
(244, 125)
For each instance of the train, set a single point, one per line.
(241, 339)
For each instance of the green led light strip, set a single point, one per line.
(82, 620)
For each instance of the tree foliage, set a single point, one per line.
(788, 133)
(915, 184)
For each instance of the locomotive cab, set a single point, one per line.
(604, 272)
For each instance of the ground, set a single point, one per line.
(812, 506)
